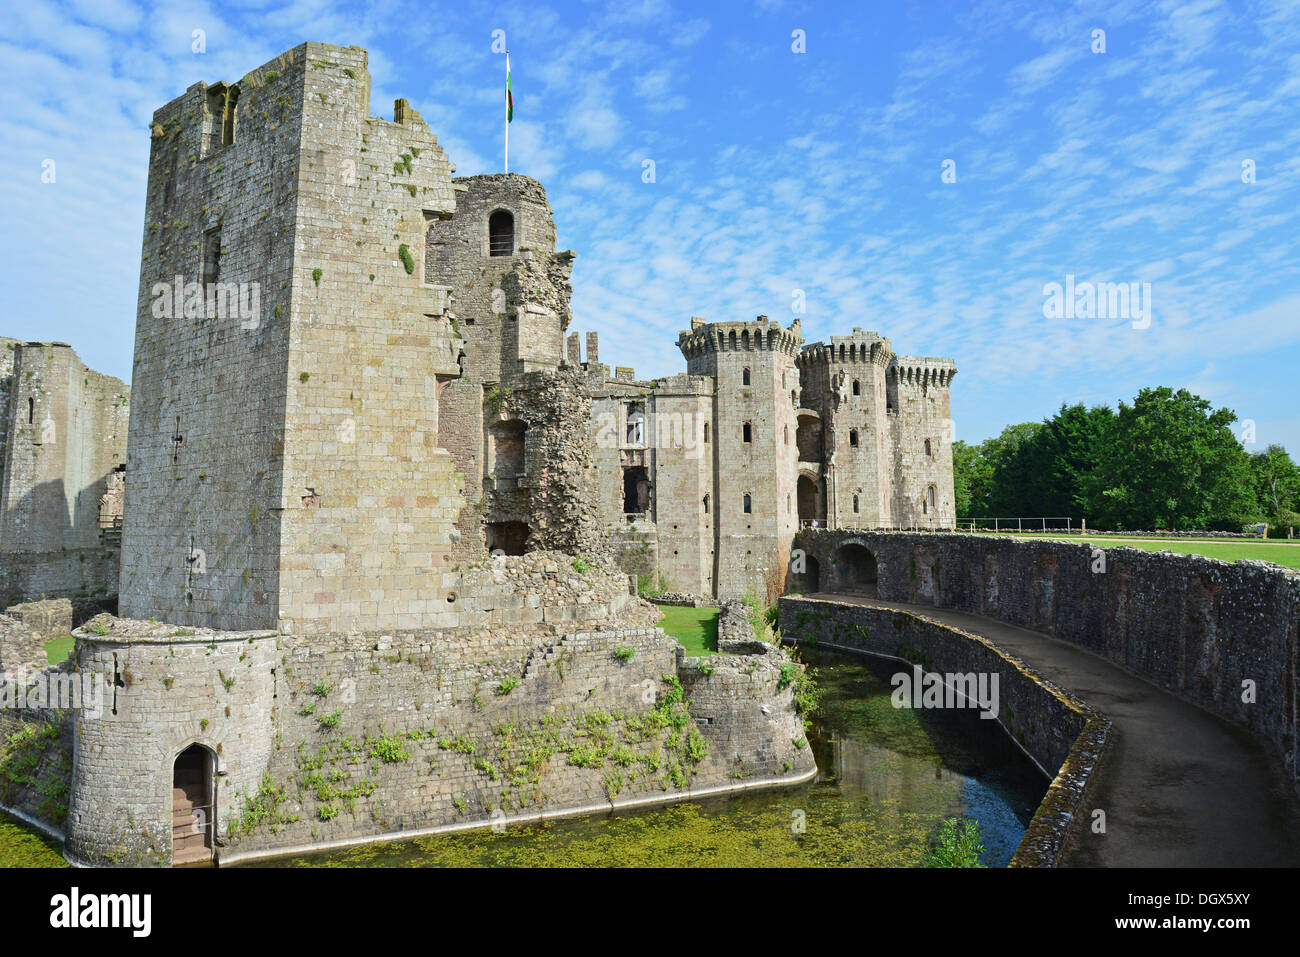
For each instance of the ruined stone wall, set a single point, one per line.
(7, 353)
(491, 296)
(1196, 626)
(342, 738)
(65, 433)
(560, 479)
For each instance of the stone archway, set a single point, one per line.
(193, 805)
(855, 569)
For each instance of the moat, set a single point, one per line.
(888, 778)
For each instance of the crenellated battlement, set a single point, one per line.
(859, 347)
(760, 334)
(926, 371)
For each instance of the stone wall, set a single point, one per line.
(510, 309)
(35, 763)
(1212, 632)
(20, 645)
(345, 738)
(1064, 737)
(64, 435)
(285, 471)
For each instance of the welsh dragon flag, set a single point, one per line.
(510, 98)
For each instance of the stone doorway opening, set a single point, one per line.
(855, 570)
(193, 805)
(812, 507)
(508, 537)
(636, 490)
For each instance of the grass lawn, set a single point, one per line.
(58, 649)
(695, 628)
(1280, 553)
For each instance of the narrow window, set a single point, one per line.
(855, 505)
(787, 435)
(853, 437)
(211, 267)
(745, 378)
(501, 233)
(857, 389)
(228, 119)
(31, 410)
(749, 433)
(706, 505)
(927, 449)
(636, 427)
(748, 504)
(706, 431)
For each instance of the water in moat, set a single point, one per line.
(888, 778)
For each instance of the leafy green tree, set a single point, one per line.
(1172, 462)
(972, 476)
(1277, 480)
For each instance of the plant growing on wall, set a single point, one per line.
(408, 261)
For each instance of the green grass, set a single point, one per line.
(695, 628)
(1277, 552)
(58, 649)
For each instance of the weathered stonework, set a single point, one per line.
(341, 738)
(1206, 630)
(1062, 735)
(64, 441)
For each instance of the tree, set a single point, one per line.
(1277, 480)
(1173, 462)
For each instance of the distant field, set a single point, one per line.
(1280, 553)
(695, 628)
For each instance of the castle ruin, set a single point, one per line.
(366, 452)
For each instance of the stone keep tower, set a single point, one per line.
(753, 445)
(283, 463)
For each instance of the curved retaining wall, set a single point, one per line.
(1063, 736)
(1220, 634)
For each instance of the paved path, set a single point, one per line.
(1182, 788)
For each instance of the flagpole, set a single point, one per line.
(507, 111)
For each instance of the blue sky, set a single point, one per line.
(775, 171)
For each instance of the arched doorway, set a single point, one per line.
(193, 806)
(812, 506)
(855, 570)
